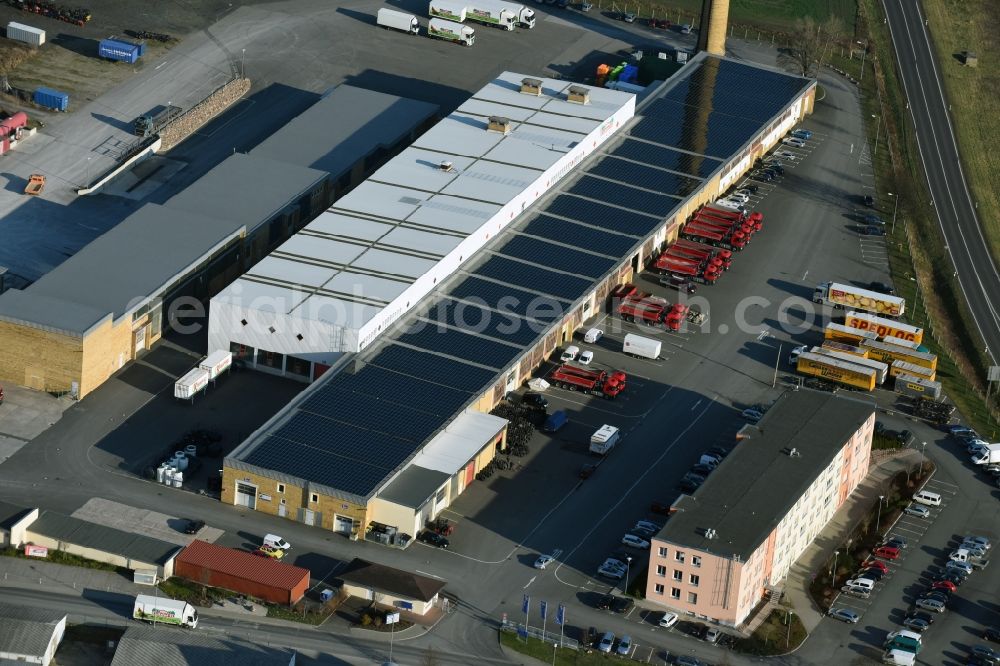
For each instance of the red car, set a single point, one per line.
(660, 508)
(886, 552)
(876, 564)
(944, 585)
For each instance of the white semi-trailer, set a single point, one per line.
(397, 20)
(451, 31)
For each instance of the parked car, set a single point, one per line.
(712, 635)
(587, 470)
(896, 541)
(648, 525)
(917, 510)
(992, 634)
(881, 288)
(689, 485)
(701, 469)
(687, 660)
(803, 134)
(985, 651)
(193, 526)
(271, 551)
(660, 508)
(937, 595)
(685, 28)
(844, 615)
(586, 357)
(874, 574)
(624, 645)
(669, 619)
(719, 452)
(634, 541)
(604, 603)
(874, 220)
(752, 415)
(535, 401)
(792, 141)
(613, 573)
(607, 642)
(586, 6)
(981, 540)
(964, 567)
(872, 230)
(679, 283)
(932, 605)
(749, 188)
(944, 585)
(544, 561)
(432, 538)
(869, 201)
(622, 605)
(886, 552)
(916, 624)
(570, 354)
(922, 615)
(877, 564)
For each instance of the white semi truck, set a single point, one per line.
(160, 610)
(451, 31)
(496, 13)
(397, 20)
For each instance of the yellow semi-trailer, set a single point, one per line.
(881, 369)
(917, 387)
(903, 368)
(844, 348)
(847, 335)
(882, 327)
(836, 370)
(887, 352)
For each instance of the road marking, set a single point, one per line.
(160, 65)
(805, 274)
(528, 583)
(695, 404)
(424, 573)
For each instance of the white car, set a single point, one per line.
(918, 511)
(586, 357)
(668, 620)
(648, 525)
(726, 203)
(634, 541)
(544, 561)
(570, 354)
(793, 356)
(792, 141)
(738, 196)
(786, 155)
(593, 335)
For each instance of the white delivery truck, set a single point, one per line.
(188, 386)
(636, 345)
(216, 363)
(840, 296)
(397, 20)
(899, 658)
(449, 10)
(161, 610)
(451, 32)
(602, 441)
(988, 456)
(501, 13)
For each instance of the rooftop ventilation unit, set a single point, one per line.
(498, 124)
(578, 95)
(794, 453)
(710, 533)
(531, 87)
(446, 166)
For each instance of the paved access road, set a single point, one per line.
(953, 202)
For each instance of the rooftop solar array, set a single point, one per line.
(497, 296)
(602, 216)
(477, 318)
(462, 345)
(650, 203)
(666, 158)
(649, 177)
(559, 257)
(560, 285)
(564, 231)
(432, 368)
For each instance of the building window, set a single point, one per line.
(241, 352)
(658, 589)
(281, 488)
(675, 593)
(298, 366)
(692, 598)
(678, 574)
(679, 556)
(663, 551)
(694, 580)
(695, 561)
(314, 498)
(661, 570)
(270, 359)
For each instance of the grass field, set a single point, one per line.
(772, 15)
(971, 25)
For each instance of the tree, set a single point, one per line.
(812, 42)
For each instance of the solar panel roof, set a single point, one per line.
(372, 381)
(319, 465)
(712, 133)
(504, 326)
(503, 297)
(646, 176)
(564, 231)
(362, 411)
(517, 273)
(556, 256)
(602, 216)
(667, 158)
(433, 368)
(459, 344)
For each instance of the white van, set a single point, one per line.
(570, 354)
(865, 584)
(275, 541)
(928, 498)
(593, 335)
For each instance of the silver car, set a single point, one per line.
(932, 605)
(844, 615)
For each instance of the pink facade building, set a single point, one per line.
(734, 540)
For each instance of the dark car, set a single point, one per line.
(193, 526)
(622, 605)
(874, 220)
(872, 230)
(660, 508)
(689, 486)
(869, 201)
(881, 288)
(535, 401)
(776, 167)
(679, 283)
(591, 639)
(896, 541)
(587, 470)
(760, 175)
(621, 556)
(694, 476)
(718, 451)
(874, 574)
(936, 595)
(701, 470)
(433, 538)
(904, 437)
(991, 634)
(922, 615)
(604, 603)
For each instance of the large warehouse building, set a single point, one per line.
(342, 453)
(733, 541)
(101, 308)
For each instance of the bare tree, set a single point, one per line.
(812, 43)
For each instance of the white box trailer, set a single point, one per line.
(161, 610)
(500, 13)
(451, 32)
(188, 386)
(397, 20)
(449, 10)
(917, 387)
(602, 441)
(636, 345)
(25, 33)
(216, 363)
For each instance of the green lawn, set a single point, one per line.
(564, 657)
(777, 15)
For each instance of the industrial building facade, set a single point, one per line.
(83, 321)
(338, 452)
(729, 545)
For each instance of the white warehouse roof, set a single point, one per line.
(339, 282)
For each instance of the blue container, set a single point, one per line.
(51, 99)
(112, 49)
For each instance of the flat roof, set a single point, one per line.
(247, 189)
(465, 336)
(149, 645)
(399, 224)
(105, 539)
(11, 513)
(119, 270)
(746, 498)
(414, 486)
(353, 123)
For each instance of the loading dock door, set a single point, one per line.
(246, 495)
(470, 473)
(343, 525)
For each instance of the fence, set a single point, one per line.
(545, 636)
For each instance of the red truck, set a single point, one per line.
(731, 240)
(648, 309)
(597, 382)
(755, 218)
(698, 250)
(669, 258)
(689, 270)
(745, 227)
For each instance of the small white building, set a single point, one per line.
(30, 635)
(340, 282)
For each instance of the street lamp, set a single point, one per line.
(833, 571)
(243, 59)
(895, 207)
(628, 566)
(923, 447)
(878, 521)
(788, 619)
(878, 128)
